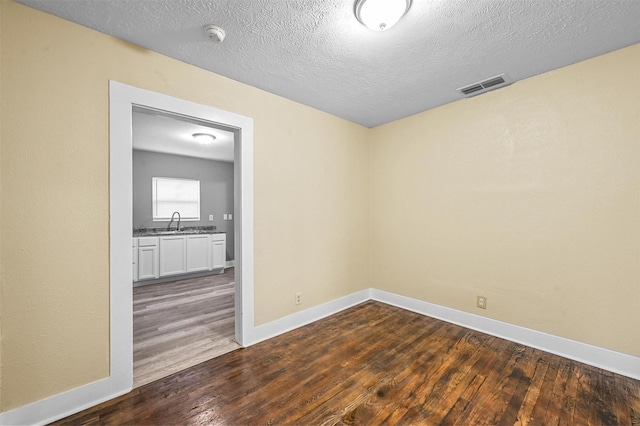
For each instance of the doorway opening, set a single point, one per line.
(123, 100)
(183, 274)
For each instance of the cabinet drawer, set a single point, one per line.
(219, 237)
(147, 241)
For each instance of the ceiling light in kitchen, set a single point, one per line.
(204, 138)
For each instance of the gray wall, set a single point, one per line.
(216, 189)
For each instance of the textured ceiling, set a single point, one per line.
(315, 51)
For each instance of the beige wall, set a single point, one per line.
(529, 195)
(310, 196)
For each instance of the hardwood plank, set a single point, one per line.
(464, 376)
(619, 407)
(430, 393)
(606, 398)
(569, 395)
(347, 383)
(462, 403)
(515, 396)
(543, 413)
(377, 364)
(455, 378)
(583, 403)
(407, 370)
(629, 399)
(491, 394)
(533, 392)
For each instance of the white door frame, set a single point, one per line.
(120, 380)
(122, 99)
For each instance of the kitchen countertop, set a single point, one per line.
(186, 230)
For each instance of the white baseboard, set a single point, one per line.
(617, 362)
(230, 264)
(75, 400)
(64, 404)
(293, 321)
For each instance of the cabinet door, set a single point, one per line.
(197, 253)
(218, 254)
(148, 263)
(173, 259)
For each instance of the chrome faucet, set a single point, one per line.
(169, 227)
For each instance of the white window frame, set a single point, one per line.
(185, 215)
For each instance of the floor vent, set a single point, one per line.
(484, 86)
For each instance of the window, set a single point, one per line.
(171, 195)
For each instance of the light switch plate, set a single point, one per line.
(224, 216)
(210, 218)
(230, 216)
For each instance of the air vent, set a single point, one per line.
(484, 86)
(493, 82)
(471, 89)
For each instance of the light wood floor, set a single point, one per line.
(179, 324)
(377, 364)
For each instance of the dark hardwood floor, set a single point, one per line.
(377, 364)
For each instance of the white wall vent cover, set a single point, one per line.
(484, 86)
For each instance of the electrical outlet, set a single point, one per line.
(481, 302)
(210, 218)
(298, 298)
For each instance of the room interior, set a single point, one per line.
(527, 195)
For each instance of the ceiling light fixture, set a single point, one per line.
(204, 138)
(380, 15)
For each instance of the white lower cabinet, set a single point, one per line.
(218, 251)
(197, 253)
(173, 255)
(156, 257)
(147, 259)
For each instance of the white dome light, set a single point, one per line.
(380, 15)
(204, 138)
